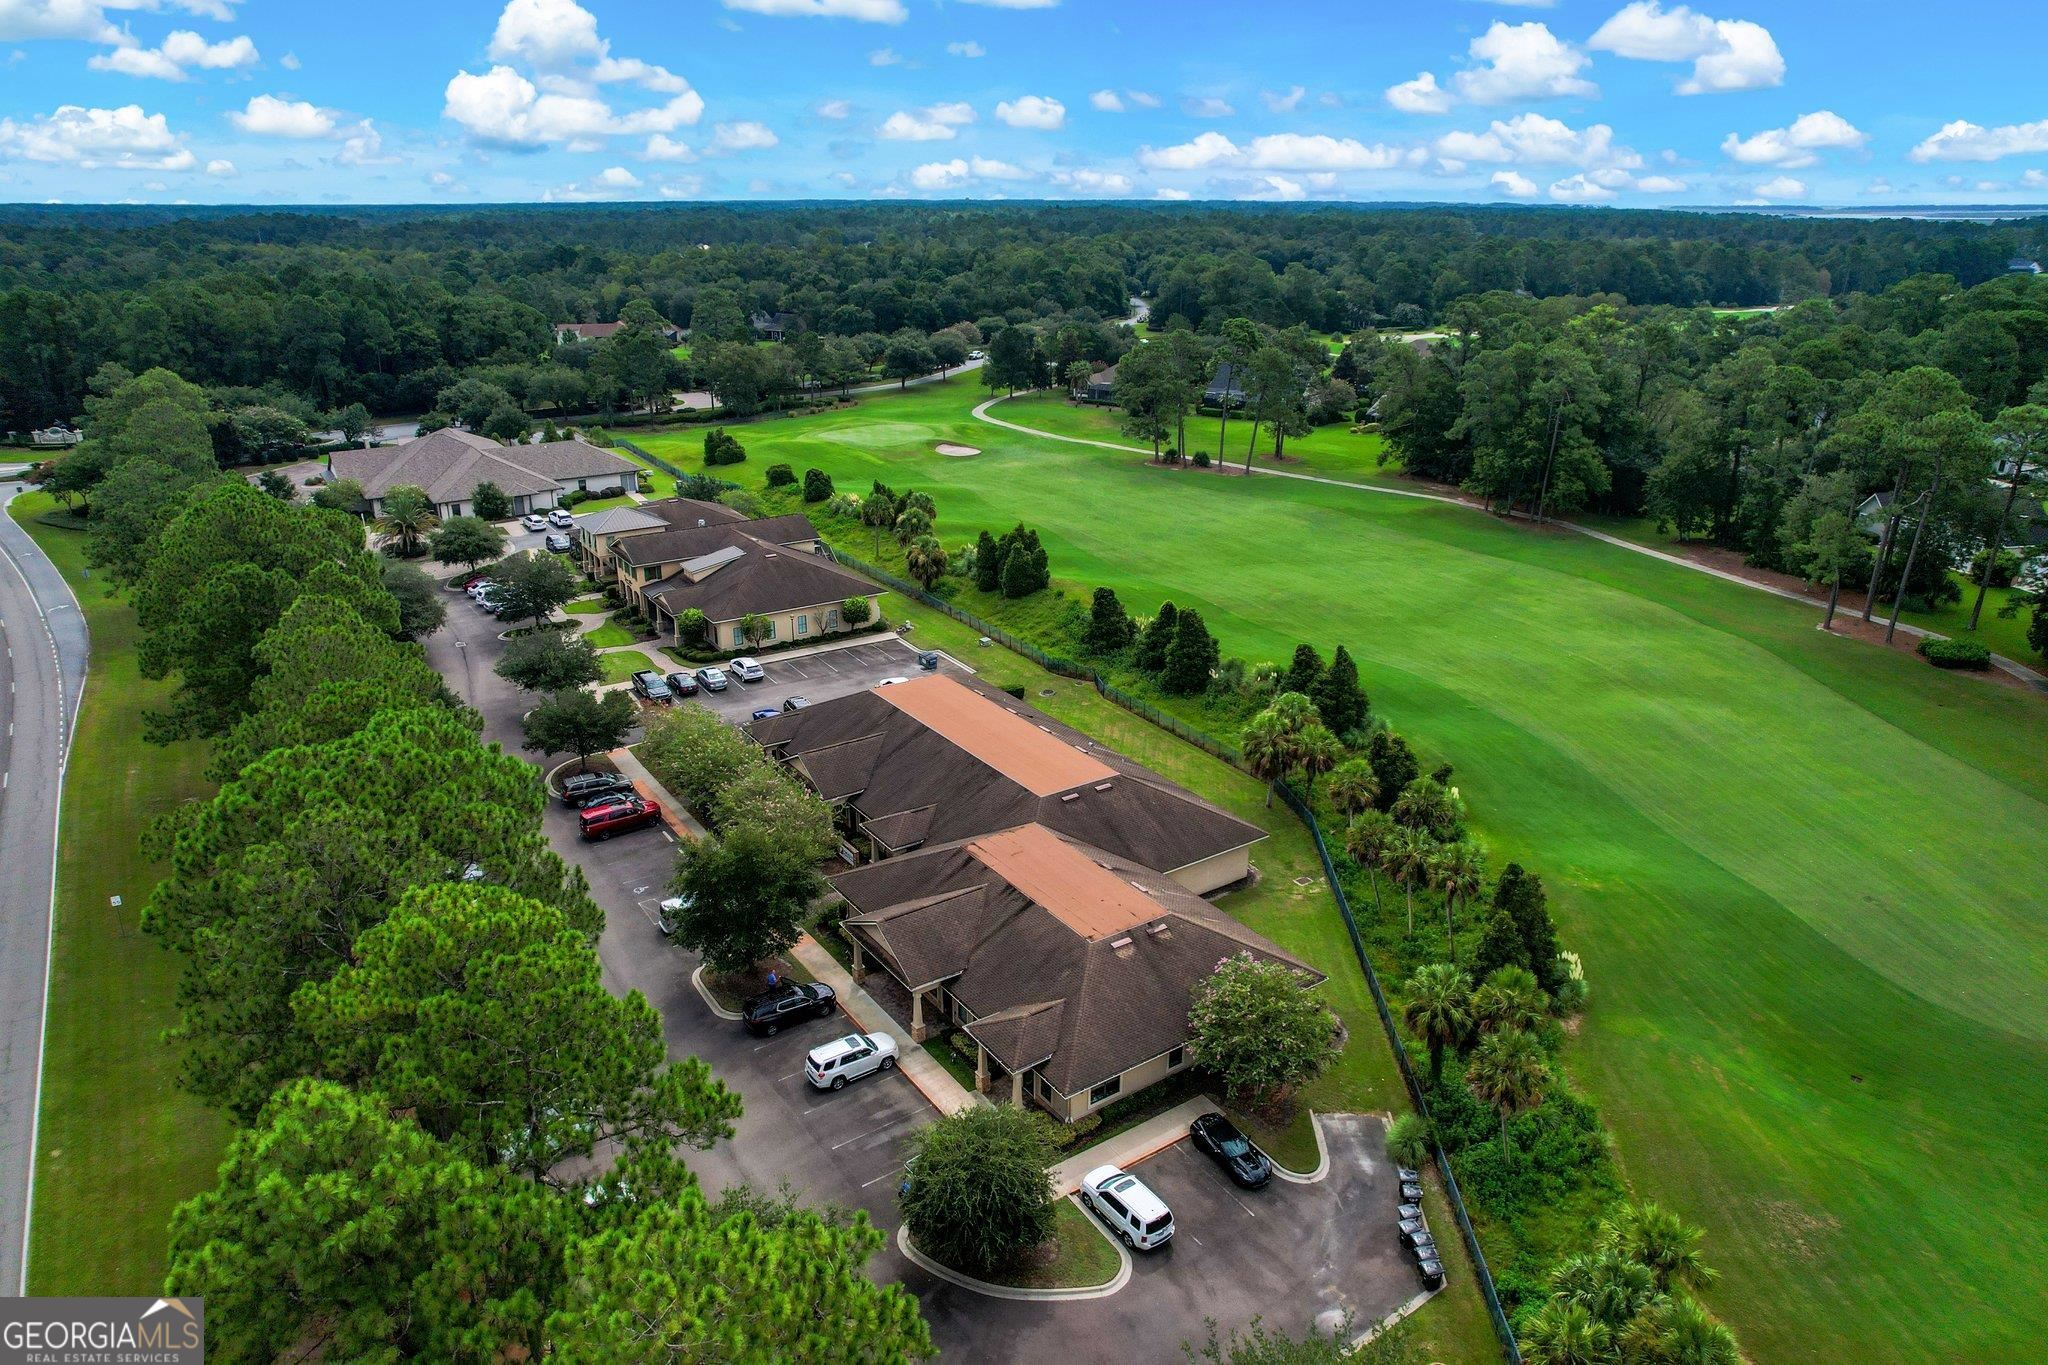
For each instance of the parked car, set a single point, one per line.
(765, 1014)
(683, 683)
(651, 686)
(559, 516)
(766, 712)
(977, 355)
(557, 543)
(1138, 1217)
(712, 679)
(534, 521)
(585, 788)
(617, 817)
(1217, 1138)
(795, 703)
(928, 660)
(747, 670)
(491, 599)
(475, 581)
(669, 914)
(831, 1065)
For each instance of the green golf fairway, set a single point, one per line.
(1806, 875)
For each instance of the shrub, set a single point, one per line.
(722, 447)
(1408, 1141)
(1201, 459)
(1955, 654)
(780, 476)
(575, 497)
(817, 485)
(979, 1195)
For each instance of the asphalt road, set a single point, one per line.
(43, 671)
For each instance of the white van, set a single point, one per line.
(831, 1065)
(1138, 1217)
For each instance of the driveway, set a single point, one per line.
(854, 667)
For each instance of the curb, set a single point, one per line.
(710, 1001)
(1000, 1291)
(1390, 1320)
(1322, 1159)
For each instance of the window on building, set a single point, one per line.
(803, 625)
(1176, 1057)
(771, 631)
(831, 618)
(1107, 1090)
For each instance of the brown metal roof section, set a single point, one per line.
(1078, 891)
(1036, 760)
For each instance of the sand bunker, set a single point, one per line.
(957, 452)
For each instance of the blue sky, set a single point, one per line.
(308, 101)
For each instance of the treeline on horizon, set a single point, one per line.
(389, 306)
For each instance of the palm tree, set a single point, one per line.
(1316, 751)
(1353, 789)
(1509, 1073)
(1367, 839)
(1407, 862)
(911, 523)
(1268, 746)
(1439, 1011)
(926, 560)
(1610, 1287)
(1564, 1333)
(1507, 999)
(1680, 1332)
(1459, 872)
(1656, 1238)
(408, 517)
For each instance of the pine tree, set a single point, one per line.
(1154, 639)
(1109, 625)
(1519, 894)
(1018, 580)
(1191, 658)
(1338, 696)
(1393, 763)
(988, 564)
(1500, 946)
(1303, 673)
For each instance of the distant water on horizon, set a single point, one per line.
(1937, 213)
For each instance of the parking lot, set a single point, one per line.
(819, 677)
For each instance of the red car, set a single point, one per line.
(616, 817)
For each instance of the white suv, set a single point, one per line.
(832, 1065)
(747, 670)
(1138, 1217)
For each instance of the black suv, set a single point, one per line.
(584, 788)
(792, 1000)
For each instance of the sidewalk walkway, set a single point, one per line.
(947, 1095)
(1133, 1145)
(679, 814)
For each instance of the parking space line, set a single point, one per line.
(880, 1178)
(895, 1123)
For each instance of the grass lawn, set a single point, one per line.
(610, 635)
(1085, 1258)
(1804, 873)
(588, 606)
(120, 1144)
(1336, 452)
(601, 504)
(621, 666)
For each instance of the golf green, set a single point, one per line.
(1805, 874)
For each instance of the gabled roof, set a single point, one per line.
(1054, 983)
(450, 463)
(686, 542)
(589, 331)
(973, 760)
(759, 577)
(1227, 383)
(618, 520)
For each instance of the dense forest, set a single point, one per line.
(387, 307)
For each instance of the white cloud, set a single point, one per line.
(1106, 101)
(1167, 192)
(1280, 187)
(1420, 96)
(1013, 4)
(557, 43)
(29, 19)
(834, 109)
(1661, 184)
(1533, 139)
(1284, 104)
(988, 169)
(2034, 179)
(1206, 106)
(1878, 186)
(1797, 145)
(1727, 54)
(220, 168)
(1522, 61)
(181, 49)
(970, 48)
(290, 61)
(269, 116)
(363, 145)
(613, 182)
(1094, 182)
(935, 123)
(940, 175)
(1321, 152)
(1781, 187)
(885, 56)
(1514, 184)
(1580, 189)
(121, 139)
(1032, 111)
(1144, 99)
(1208, 149)
(661, 147)
(867, 11)
(618, 177)
(743, 136)
(1965, 141)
